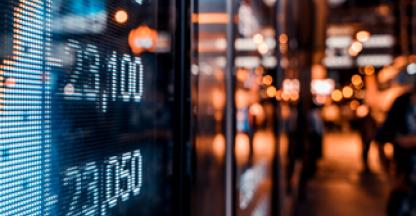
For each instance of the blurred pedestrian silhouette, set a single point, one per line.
(399, 128)
(315, 134)
(294, 150)
(367, 127)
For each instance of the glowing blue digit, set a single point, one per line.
(137, 87)
(73, 177)
(136, 169)
(90, 175)
(125, 174)
(125, 63)
(135, 78)
(72, 90)
(92, 87)
(112, 68)
(112, 182)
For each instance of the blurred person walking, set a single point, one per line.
(367, 127)
(399, 128)
(315, 135)
(294, 151)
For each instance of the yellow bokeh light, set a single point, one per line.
(263, 145)
(363, 36)
(355, 48)
(258, 38)
(356, 80)
(218, 147)
(279, 95)
(283, 38)
(369, 70)
(121, 16)
(320, 99)
(263, 48)
(294, 96)
(285, 96)
(389, 150)
(362, 111)
(267, 80)
(271, 91)
(242, 75)
(242, 148)
(354, 105)
(337, 95)
(348, 92)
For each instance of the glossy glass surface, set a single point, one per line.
(208, 105)
(85, 117)
(255, 99)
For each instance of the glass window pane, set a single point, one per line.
(85, 117)
(208, 101)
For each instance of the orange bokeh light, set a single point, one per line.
(242, 148)
(218, 147)
(363, 36)
(369, 70)
(283, 38)
(271, 91)
(348, 92)
(337, 96)
(143, 39)
(264, 145)
(267, 80)
(121, 16)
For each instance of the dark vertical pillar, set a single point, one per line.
(182, 118)
(230, 200)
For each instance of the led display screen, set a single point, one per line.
(85, 118)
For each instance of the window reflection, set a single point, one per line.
(208, 99)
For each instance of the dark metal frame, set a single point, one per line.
(182, 106)
(230, 128)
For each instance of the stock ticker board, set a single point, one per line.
(77, 134)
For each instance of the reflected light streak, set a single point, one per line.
(257, 111)
(264, 146)
(242, 75)
(283, 39)
(210, 18)
(389, 150)
(218, 99)
(218, 147)
(242, 99)
(242, 148)
(318, 71)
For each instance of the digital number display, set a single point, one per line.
(84, 120)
